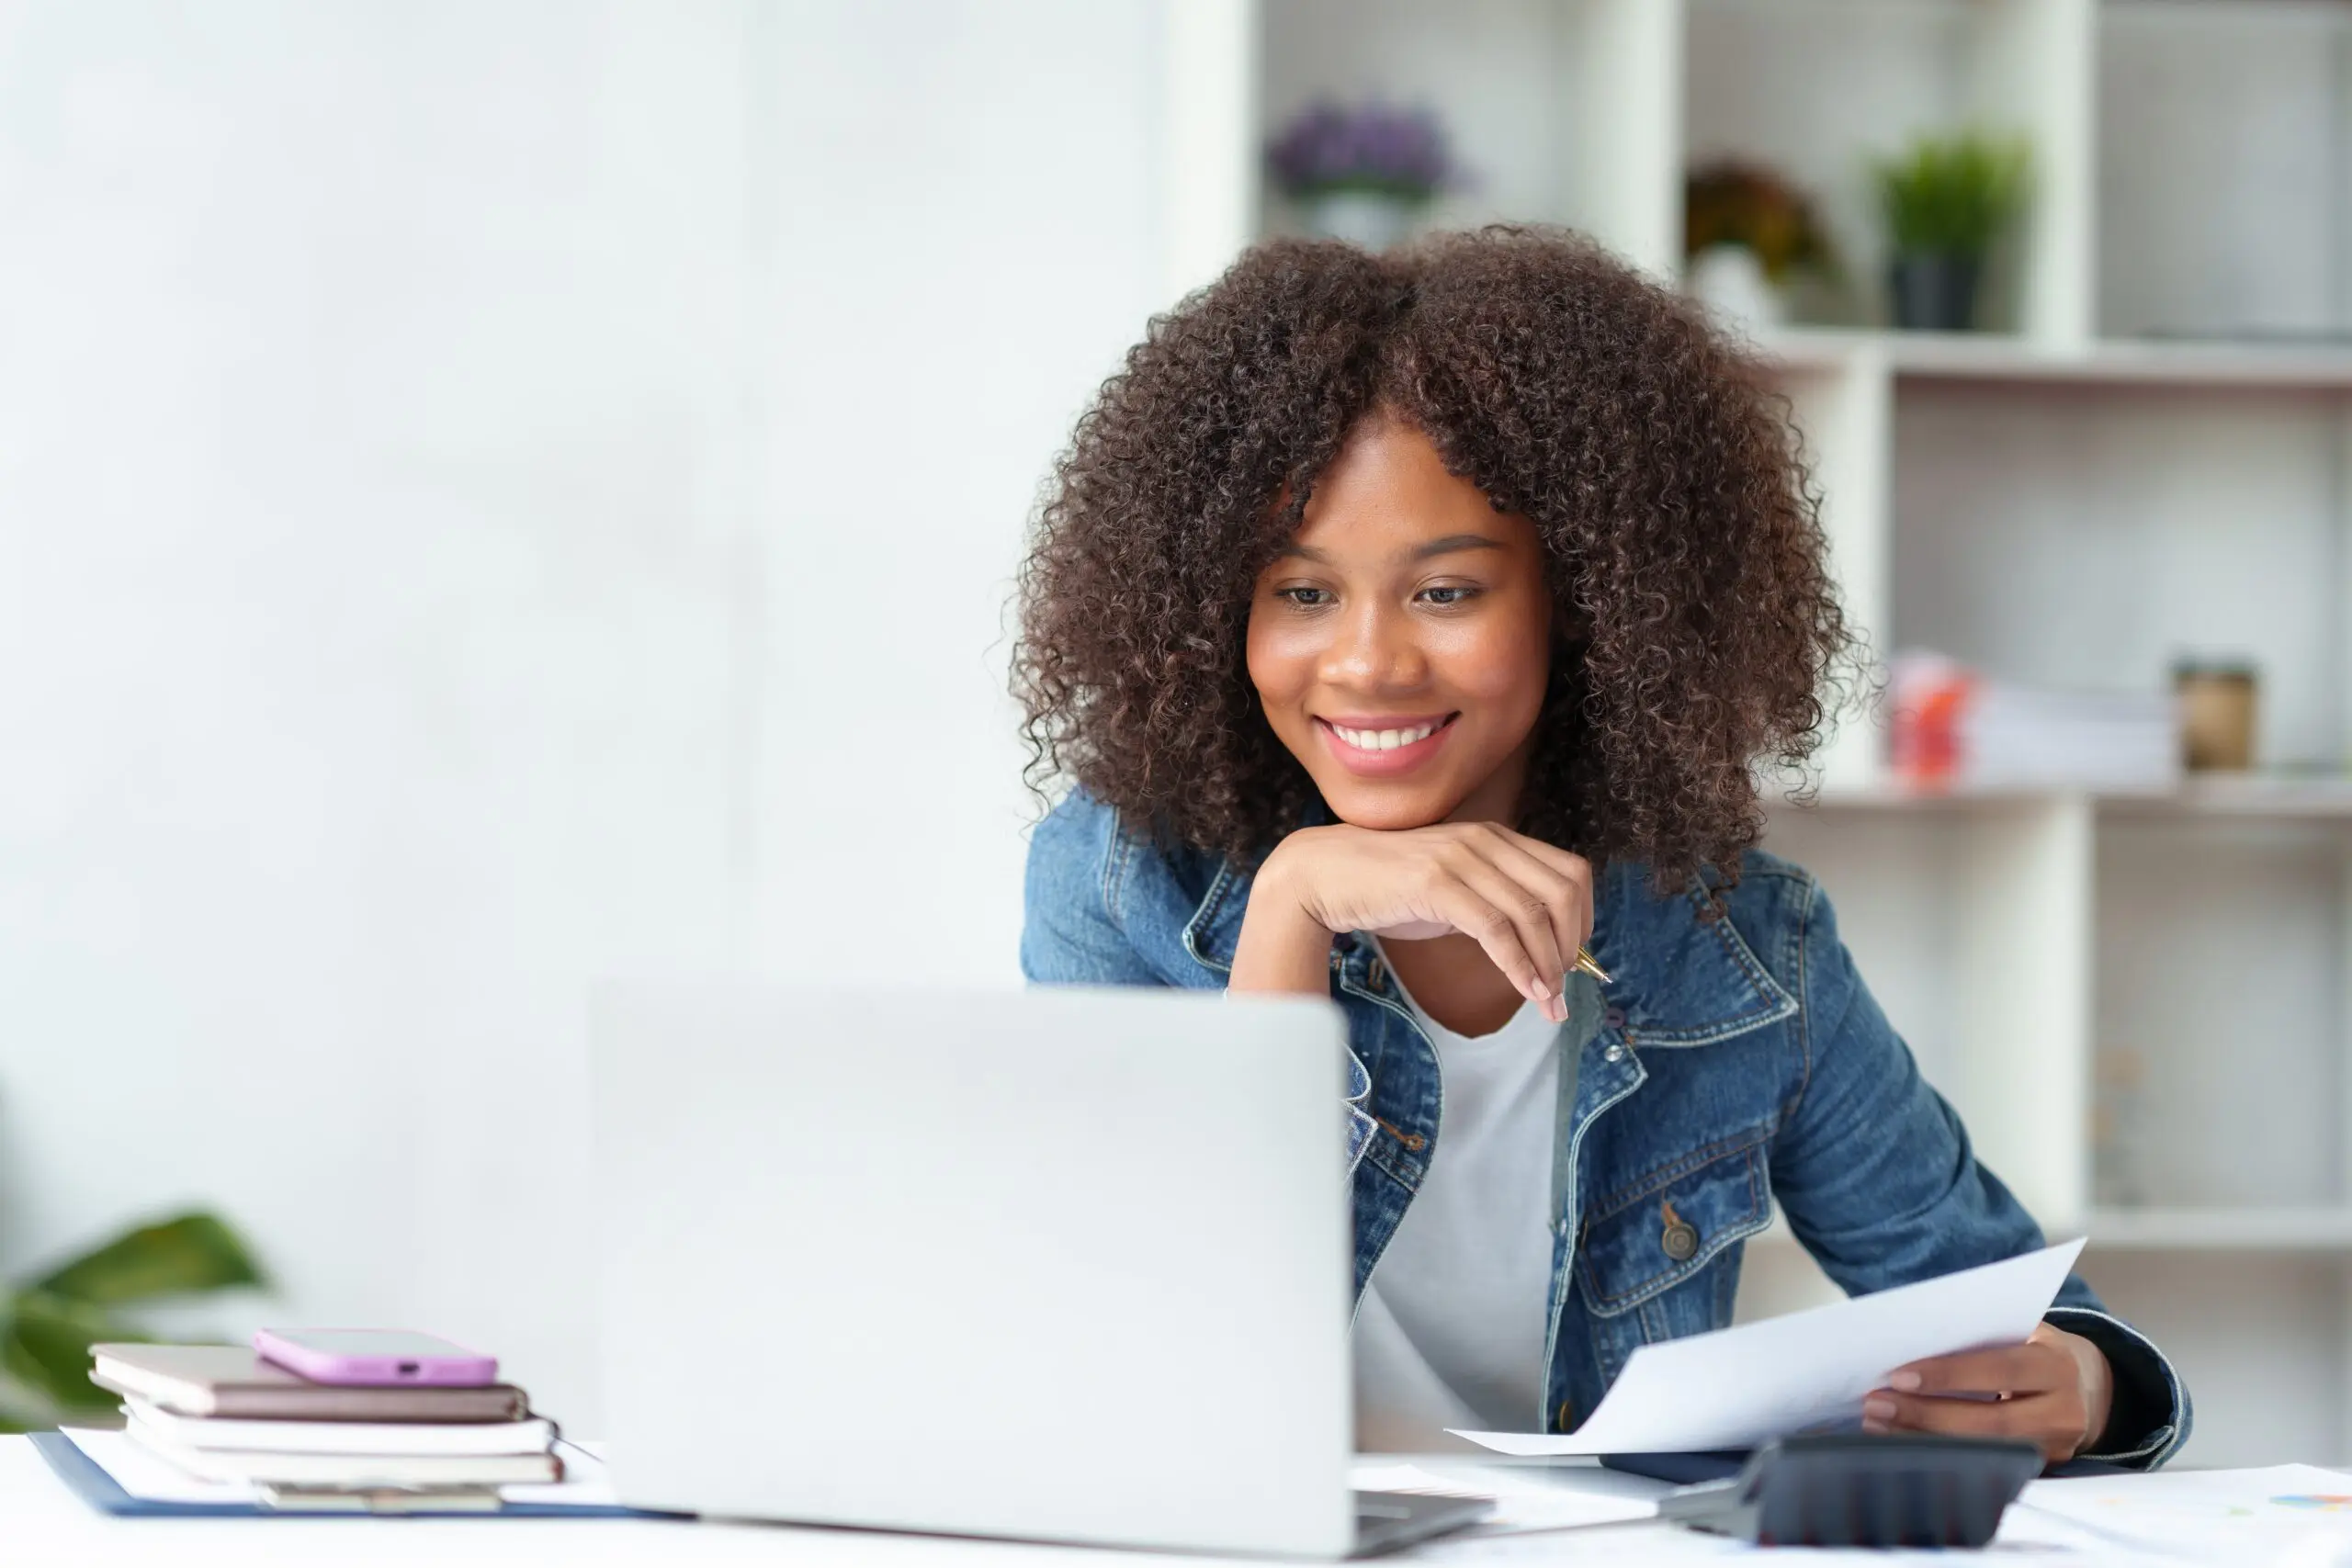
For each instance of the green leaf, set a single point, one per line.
(1953, 196)
(20, 1412)
(47, 1348)
(177, 1257)
(21, 1409)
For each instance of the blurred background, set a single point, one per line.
(501, 494)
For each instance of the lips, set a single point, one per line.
(1379, 746)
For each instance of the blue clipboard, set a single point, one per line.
(88, 1481)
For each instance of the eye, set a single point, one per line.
(1445, 594)
(1305, 598)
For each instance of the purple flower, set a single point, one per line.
(1373, 147)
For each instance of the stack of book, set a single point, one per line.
(220, 1413)
(1953, 728)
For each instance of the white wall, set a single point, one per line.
(968, 214)
(490, 495)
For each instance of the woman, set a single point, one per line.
(1408, 623)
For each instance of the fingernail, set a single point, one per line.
(1904, 1382)
(1877, 1409)
(1874, 1426)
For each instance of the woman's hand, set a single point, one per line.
(2053, 1390)
(1527, 903)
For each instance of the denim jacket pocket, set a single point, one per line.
(1655, 1233)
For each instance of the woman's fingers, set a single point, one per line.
(1567, 862)
(2052, 1422)
(1569, 899)
(1960, 1417)
(1504, 919)
(1572, 868)
(1528, 905)
(2027, 1392)
(1529, 928)
(2009, 1368)
(1476, 917)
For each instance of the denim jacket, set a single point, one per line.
(1732, 1064)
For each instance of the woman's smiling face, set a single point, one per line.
(1401, 642)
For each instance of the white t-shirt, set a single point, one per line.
(1450, 1331)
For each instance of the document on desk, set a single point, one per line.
(1526, 1499)
(1740, 1387)
(2208, 1516)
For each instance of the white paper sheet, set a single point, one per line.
(2207, 1515)
(148, 1478)
(1525, 1499)
(155, 1479)
(1740, 1386)
(1638, 1546)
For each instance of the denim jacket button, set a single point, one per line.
(1565, 1418)
(1614, 1054)
(1378, 975)
(1679, 1242)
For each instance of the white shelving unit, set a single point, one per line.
(2151, 455)
(2003, 357)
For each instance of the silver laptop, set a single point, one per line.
(1061, 1265)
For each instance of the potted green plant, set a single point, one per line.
(51, 1321)
(1947, 201)
(1746, 233)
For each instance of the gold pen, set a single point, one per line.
(1585, 961)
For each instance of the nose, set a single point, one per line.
(1374, 648)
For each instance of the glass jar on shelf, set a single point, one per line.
(2120, 1169)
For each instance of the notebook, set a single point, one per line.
(348, 1470)
(230, 1379)
(406, 1438)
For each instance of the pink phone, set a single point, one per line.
(375, 1357)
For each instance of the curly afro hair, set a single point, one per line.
(1696, 631)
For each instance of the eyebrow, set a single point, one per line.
(1448, 546)
(1454, 542)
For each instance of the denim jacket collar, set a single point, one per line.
(1719, 988)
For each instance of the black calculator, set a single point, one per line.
(1848, 1489)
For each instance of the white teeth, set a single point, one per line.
(1383, 740)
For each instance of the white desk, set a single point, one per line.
(42, 1523)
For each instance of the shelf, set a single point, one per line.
(1894, 797)
(2272, 799)
(2283, 1230)
(2324, 1229)
(2282, 798)
(2003, 358)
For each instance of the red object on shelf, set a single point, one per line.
(1930, 699)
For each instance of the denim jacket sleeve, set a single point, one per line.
(1069, 936)
(1876, 1176)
